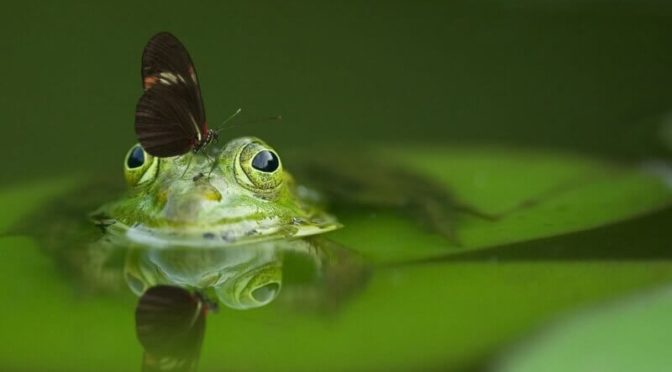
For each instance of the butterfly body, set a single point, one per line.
(210, 136)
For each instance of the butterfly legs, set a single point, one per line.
(214, 162)
(187, 167)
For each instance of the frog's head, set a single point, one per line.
(237, 193)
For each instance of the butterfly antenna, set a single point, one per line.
(228, 119)
(276, 117)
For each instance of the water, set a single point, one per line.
(584, 78)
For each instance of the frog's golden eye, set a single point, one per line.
(251, 289)
(139, 166)
(260, 167)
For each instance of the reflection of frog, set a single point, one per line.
(251, 275)
(241, 277)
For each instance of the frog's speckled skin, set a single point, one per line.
(211, 200)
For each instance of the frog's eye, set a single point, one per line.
(251, 289)
(139, 166)
(259, 167)
(266, 161)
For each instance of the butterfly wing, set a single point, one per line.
(170, 117)
(164, 122)
(170, 325)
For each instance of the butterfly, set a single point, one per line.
(170, 117)
(170, 325)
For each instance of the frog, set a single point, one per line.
(240, 193)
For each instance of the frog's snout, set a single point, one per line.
(187, 206)
(205, 189)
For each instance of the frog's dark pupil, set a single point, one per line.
(265, 161)
(136, 158)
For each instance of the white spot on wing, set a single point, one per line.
(168, 78)
(198, 130)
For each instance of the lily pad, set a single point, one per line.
(534, 194)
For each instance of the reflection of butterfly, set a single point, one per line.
(170, 118)
(170, 325)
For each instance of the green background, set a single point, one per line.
(589, 75)
(584, 77)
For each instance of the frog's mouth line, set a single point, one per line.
(212, 238)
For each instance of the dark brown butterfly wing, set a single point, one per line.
(164, 122)
(165, 54)
(170, 325)
(170, 118)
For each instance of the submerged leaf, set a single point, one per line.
(434, 316)
(632, 334)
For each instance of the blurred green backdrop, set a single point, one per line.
(586, 75)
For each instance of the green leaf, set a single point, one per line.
(537, 193)
(632, 334)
